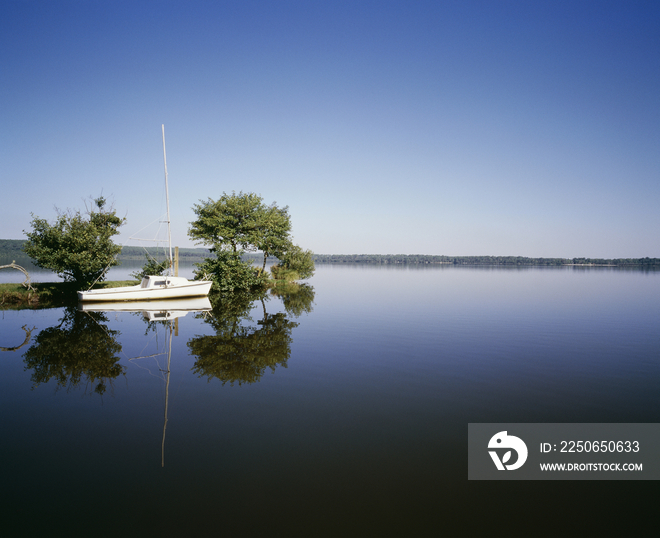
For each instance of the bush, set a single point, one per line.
(151, 268)
(78, 249)
(295, 264)
(229, 273)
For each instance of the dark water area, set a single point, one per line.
(341, 412)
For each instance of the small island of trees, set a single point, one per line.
(79, 248)
(239, 223)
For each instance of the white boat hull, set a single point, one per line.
(181, 288)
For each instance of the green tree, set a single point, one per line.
(232, 222)
(272, 232)
(78, 248)
(230, 226)
(295, 264)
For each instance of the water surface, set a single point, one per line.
(342, 412)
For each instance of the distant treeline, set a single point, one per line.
(414, 259)
(138, 253)
(185, 254)
(12, 249)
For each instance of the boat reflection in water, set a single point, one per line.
(162, 310)
(167, 312)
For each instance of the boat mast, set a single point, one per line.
(167, 198)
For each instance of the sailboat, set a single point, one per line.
(153, 287)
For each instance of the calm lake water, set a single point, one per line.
(341, 412)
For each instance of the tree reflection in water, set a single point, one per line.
(297, 298)
(241, 349)
(79, 349)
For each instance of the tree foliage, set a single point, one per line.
(232, 225)
(78, 248)
(152, 268)
(295, 264)
(229, 273)
(232, 222)
(272, 235)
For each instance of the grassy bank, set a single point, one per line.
(47, 294)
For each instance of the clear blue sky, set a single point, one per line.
(526, 128)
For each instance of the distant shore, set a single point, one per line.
(511, 261)
(12, 249)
